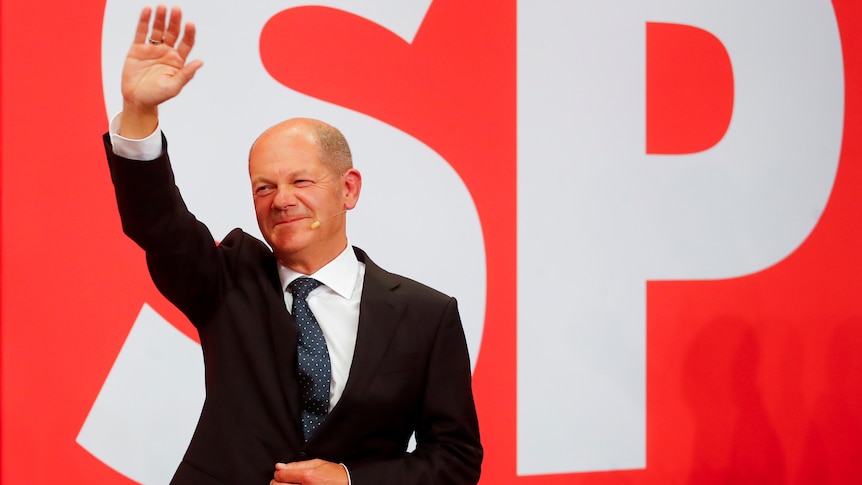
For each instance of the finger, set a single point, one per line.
(302, 465)
(188, 40)
(188, 71)
(174, 25)
(159, 23)
(289, 475)
(143, 25)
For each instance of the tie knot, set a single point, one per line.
(301, 287)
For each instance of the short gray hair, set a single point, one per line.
(334, 150)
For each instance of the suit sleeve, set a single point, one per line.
(182, 257)
(448, 445)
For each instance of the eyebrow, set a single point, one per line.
(260, 178)
(292, 175)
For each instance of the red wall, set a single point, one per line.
(749, 379)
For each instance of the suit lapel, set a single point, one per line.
(380, 310)
(284, 339)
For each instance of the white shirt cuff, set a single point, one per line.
(148, 148)
(349, 482)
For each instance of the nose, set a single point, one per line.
(284, 198)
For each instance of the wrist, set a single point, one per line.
(137, 122)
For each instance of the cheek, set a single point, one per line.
(261, 208)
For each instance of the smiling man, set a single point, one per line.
(319, 364)
(301, 206)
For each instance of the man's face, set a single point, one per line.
(293, 189)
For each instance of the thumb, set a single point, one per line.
(188, 71)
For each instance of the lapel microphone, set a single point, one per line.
(316, 224)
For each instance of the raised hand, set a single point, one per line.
(156, 69)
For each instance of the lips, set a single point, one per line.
(290, 220)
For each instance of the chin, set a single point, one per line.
(286, 245)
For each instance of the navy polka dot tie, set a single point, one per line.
(312, 357)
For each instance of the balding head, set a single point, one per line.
(333, 147)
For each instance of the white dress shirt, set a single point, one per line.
(335, 305)
(148, 148)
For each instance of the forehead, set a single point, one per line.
(285, 151)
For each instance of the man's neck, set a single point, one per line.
(311, 264)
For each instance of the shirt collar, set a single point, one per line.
(339, 274)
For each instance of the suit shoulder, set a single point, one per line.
(241, 247)
(401, 284)
(418, 288)
(238, 237)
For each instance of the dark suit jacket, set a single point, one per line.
(410, 371)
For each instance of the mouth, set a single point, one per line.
(288, 220)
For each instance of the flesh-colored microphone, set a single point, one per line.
(316, 224)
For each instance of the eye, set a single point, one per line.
(303, 183)
(263, 190)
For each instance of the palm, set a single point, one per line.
(153, 73)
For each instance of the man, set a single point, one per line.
(331, 391)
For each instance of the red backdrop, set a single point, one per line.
(749, 379)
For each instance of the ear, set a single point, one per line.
(352, 187)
